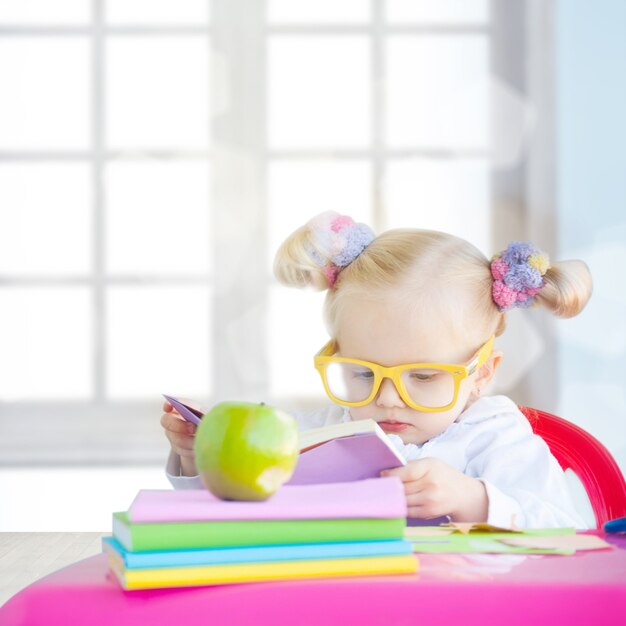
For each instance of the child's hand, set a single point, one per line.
(180, 434)
(434, 488)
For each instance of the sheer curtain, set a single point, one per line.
(154, 154)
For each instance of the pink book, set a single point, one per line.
(375, 498)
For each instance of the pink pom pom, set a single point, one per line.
(499, 268)
(331, 272)
(531, 292)
(341, 222)
(502, 295)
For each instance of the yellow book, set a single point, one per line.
(191, 576)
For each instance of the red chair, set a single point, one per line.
(575, 449)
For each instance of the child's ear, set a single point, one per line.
(488, 369)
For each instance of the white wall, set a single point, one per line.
(591, 190)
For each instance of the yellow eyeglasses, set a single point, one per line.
(426, 387)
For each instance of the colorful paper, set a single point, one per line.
(558, 542)
(454, 540)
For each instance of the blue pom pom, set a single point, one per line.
(522, 277)
(358, 237)
(518, 252)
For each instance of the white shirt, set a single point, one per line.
(491, 441)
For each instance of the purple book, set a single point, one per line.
(184, 410)
(355, 457)
(381, 498)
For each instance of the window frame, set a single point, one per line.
(105, 431)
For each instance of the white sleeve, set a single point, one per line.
(524, 482)
(172, 471)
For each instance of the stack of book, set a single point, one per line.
(189, 537)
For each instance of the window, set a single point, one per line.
(153, 154)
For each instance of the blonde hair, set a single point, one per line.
(567, 290)
(428, 270)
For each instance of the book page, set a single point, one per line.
(315, 436)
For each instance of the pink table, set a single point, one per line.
(588, 588)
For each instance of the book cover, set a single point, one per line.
(376, 498)
(350, 451)
(187, 412)
(214, 534)
(155, 578)
(254, 554)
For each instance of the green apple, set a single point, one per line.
(245, 451)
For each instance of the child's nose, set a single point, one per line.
(388, 395)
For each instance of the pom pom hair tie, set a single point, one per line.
(518, 275)
(336, 241)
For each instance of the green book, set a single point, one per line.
(190, 535)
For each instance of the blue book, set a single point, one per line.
(255, 554)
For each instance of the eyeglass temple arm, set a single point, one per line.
(481, 356)
(328, 349)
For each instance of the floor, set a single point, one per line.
(51, 517)
(25, 557)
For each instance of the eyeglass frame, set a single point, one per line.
(459, 372)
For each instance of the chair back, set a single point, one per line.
(575, 449)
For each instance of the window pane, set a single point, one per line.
(157, 217)
(46, 217)
(320, 11)
(299, 190)
(46, 339)
(296, 333)
(45, 12)
(438, 11)
(157, 92)
(158, 341)
(437, 91)
(319, 91)
(45, 86)
(441, 194)
(161, 12)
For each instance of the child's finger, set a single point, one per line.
(407, 473)
(183, 453)
(413, 487)
(181, 442)
(173, 423)
(167, 407)
(417, 498)
(422, 512)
